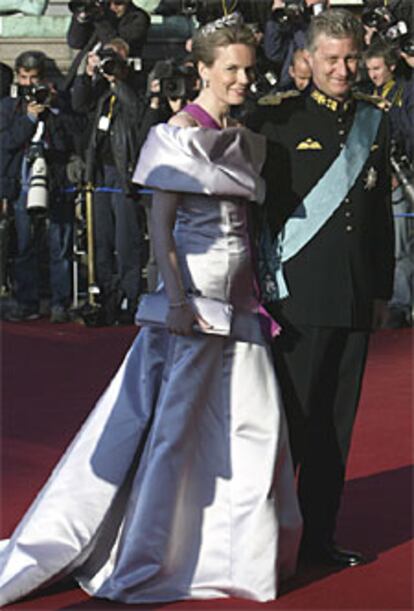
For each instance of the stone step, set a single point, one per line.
(55, 48)
(48, 34)
(20, 33)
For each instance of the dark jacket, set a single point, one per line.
(407, 116)
(132, 27)
(16, 133)
(280, 43)
(91, 96)
(400, 95)
(333, 280)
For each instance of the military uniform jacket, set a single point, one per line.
(333, 280)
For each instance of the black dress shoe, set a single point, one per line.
(331, 555)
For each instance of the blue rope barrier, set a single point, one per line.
(108, 190)
(150, 192)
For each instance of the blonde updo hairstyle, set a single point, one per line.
(204, 45)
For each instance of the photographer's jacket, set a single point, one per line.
(280, 43)
(16, 133)
(115, 139)
(132, 27)
(334, 278)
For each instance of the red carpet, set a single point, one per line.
(51, 375)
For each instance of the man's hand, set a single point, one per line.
(34, 109)
(395, 183)
(82, 17)
(409, 59)
(368, 34)
(111, 78)
(155, 90)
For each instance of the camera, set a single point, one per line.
(203, 10)
(39, 93)
(253, 11)
(291, 14)
(91, 8)
(404, 171)
(38, 193)
(378, 17)
(111, 63)
(265, 81)
(407, 45)
(391, 21)
(177, 81)
(296, 12)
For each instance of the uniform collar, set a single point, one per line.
(385, 89)
(330, 103)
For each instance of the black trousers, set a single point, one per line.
(119, 239)
(320, 371)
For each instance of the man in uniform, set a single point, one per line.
(327, 266)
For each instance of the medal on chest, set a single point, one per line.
(371, 178)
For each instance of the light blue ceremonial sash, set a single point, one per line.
(318, 206)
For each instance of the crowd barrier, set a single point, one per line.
(79, 253)
(149, 192)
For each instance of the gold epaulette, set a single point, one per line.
(274, 99)
(377, 100)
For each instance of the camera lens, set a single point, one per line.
(77, 7)
(41, 94)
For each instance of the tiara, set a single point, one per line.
(231, 20)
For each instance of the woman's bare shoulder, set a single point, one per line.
(183, 119)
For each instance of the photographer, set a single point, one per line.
(381, 60)
(285, 32)
(387, 20)
(6, 79)
(107, 93)
(171, 85)
(408, 101)
(96, 21)
(33, 135)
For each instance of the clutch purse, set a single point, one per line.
(153, 310)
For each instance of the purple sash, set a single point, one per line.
(201, 116)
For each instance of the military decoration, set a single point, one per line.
(309, 145)
(371, 179)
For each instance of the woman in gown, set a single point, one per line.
(179, 484)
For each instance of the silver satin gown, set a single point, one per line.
(179, 484)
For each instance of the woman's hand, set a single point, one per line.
(181, 319)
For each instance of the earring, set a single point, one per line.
(205, 83)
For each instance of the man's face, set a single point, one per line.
(334, 64)
(301, 74)
(378, 71)
(26, 78)
(118, 7)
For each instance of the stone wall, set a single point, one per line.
(47, 33)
